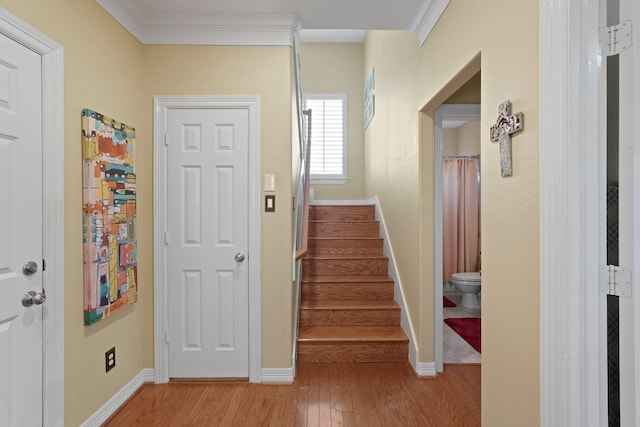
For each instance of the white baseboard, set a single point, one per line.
(113, 404)
(278, 375)
(315, 202)
(399, 297)
(426, 369)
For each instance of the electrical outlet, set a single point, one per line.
(110, 359)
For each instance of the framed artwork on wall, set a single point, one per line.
(108, 216)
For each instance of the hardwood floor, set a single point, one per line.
(326, 394)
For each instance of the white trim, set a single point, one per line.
(332, 36)
(398, 294)
(315, 202)
(52, 55)
(278, 375)
(162, 104)
(203, 29)
(573, 383)
(108, 409)
(429, 14)
(327, 181)
(455, 112)
(426, 369)
(636, 208)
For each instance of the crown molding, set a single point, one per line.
(332, 36)
(207, 29)
(429, 14)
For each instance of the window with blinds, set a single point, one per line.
(328, 136)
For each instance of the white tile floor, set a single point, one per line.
(457, 350)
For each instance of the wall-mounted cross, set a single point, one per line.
(506, 125)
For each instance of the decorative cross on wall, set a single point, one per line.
(506, 125)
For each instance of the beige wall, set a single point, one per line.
(107, 70)
(391, 155)
(103, 67)
(339, 68)
(410, 79)
(263, 71)
(462, 141)
(468, 137)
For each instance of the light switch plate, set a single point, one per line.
(270, 203)
(269, 182)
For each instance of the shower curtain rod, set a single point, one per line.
(477, 156)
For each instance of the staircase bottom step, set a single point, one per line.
(356, 344)
(353, 352)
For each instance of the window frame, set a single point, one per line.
(332, 178)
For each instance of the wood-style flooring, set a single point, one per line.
(324, 394)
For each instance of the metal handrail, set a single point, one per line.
(306, 179)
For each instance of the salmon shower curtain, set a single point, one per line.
(461, 216)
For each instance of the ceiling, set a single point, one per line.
(247, 21)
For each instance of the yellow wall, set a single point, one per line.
(103, 67)
(263, 71)
(109, 71)
(410, 79)
(468, 137)
(462, 141)
(339, 68)
(391, 155)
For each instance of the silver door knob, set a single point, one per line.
(33, 297)
(239, 257)
(29, 268)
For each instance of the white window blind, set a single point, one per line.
(328, 140)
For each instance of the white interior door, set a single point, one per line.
(21, 345)
(207, 222)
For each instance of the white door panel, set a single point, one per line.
(20, 234)
(207, 224)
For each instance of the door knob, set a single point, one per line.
(33, 297)
(239, 257)
(29, 268)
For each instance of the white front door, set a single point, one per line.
(21, 345)
(207, 222)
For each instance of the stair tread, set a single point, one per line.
(347, 279)
(345, 238)
(352, 333)
(338, 205)
(345, 221)
(346, 256)
(349, 305)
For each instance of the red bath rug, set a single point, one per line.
(468, 328)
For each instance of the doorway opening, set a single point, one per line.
(457, 103)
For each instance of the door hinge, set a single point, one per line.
(44, 265)
(166, 238)
(616, 39)
(166, 337)
(166, 139)
(615, 280)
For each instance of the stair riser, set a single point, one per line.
(345, 247)
(343, 229)
(344, 267)
(372, 352)
(342, 213)
(347, 291)
(339, 317)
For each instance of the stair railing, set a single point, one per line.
(301, 201)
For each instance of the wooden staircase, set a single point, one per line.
(347, 310)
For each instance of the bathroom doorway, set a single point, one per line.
(457, 137)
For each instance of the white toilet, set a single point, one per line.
(469, 285)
